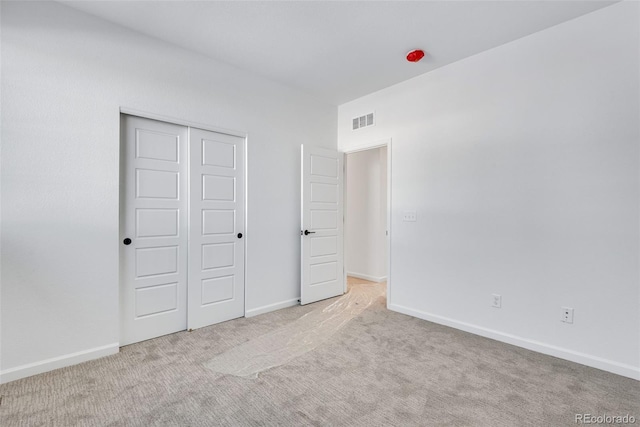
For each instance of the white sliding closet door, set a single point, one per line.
(182, 221)
(216, 241)
(153, 232)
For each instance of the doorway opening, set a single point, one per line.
(367, 217)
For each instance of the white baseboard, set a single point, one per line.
(47, 365)
(271, 307)
(540, 347)
(367, 277)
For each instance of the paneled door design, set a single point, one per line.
(322, 225)
(216, 241)
(153, 231)
(182, 219)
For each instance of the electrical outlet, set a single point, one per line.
(567, 315)
(409, 216)
(496, 301)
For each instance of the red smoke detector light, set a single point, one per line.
(415, 55)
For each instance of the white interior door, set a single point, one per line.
(216, 241)
(153, 229)
(322, 225)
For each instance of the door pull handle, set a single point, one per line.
(307, 232)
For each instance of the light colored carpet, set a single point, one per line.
(283, 344)
(381, 368)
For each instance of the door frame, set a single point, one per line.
(387, 142)
(189, 124)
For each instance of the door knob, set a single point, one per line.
(239, 235)
(307, 232)
(127, 241)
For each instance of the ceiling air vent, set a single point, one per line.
(362, 121)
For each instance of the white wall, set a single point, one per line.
(522, 164)
(64, 77)
(366, 219)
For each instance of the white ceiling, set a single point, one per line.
(337, 50)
